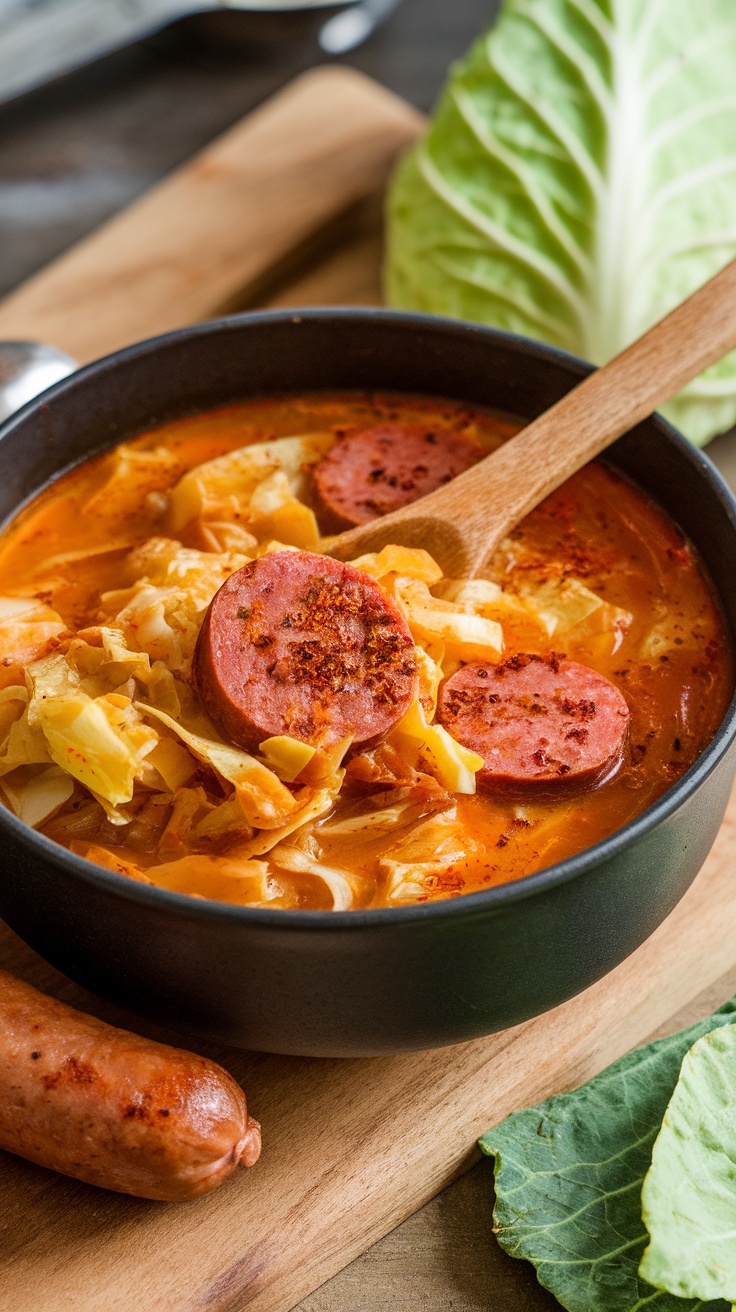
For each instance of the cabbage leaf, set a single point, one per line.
(689, 1192)
(579, 180)
(569, 1173)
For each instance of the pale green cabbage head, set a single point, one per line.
(578, 180)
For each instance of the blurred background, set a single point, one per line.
(78, 148)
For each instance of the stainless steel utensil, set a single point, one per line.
(26, 370)
(42, 39)
(350, 28)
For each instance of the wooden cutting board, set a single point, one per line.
(283, 210)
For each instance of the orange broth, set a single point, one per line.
(672, 662)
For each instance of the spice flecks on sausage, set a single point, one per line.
(369, 473)
(300, 644)
(113, 1109)
(536, 721)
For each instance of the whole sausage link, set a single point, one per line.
(113, 1109)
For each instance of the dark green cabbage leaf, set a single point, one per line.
(569, 1174)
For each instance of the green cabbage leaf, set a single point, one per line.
(578, 180)
(569, 1174)
(689, 1192)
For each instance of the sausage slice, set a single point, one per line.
(536, 722)
(113, 1109)
(300, 644)
(368, 473)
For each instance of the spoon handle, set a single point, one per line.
(470, 516)
(601, 409)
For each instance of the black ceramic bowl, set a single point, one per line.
(362, 982)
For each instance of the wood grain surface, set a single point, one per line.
(197, 242)
(351, 1148)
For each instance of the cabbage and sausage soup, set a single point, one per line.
(193, 695)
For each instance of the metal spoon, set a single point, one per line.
(350, 28)
(26, 370)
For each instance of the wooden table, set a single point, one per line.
(73, 154)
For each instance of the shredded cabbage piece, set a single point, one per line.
(222, 489)
(409, 873)
(265, 801)
(162, 613)
(439, 754)
(37, 799)
(274, 512)
(221, 878)
(432, 619)
(431, 675)
(13, 701)
(287, 757)
(173, 763)
(398, 815)
(313, 803)
(135, 480)
(100, 741)
(474, 595)
(27, 628)
(413, 562)
(302, 863)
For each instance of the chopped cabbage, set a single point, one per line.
(430, 678)
(409, 873)
(37, 799)
(189, 807)
(302, 863)
(265, 801)
(560, 604)
(474, 595)
(221, 878)
(135, 484)
(101, 741)
(27, 627)
(162, 613)
(173, 762)
(13, 701)
(274, 512)
(387, 818)
(413, 562)
(224, 821)
(439, 754)
(220, 536)
(433, 619)
(23, 743)
(222, 489)
(287, 757)
(108, 860)
(312, 804)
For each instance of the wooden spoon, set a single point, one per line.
(462, 523)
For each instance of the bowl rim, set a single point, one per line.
(466, 905)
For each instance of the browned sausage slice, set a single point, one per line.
(114, 1109)
(300, 644)
(369, 473)
(536, 721)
